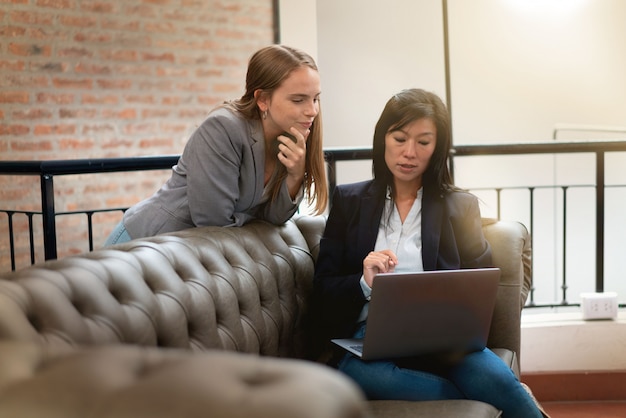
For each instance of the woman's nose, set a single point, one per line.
(410, 148)
(312, 109)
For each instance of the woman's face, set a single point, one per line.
(408, 151)
(295, 103)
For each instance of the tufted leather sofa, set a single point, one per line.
(202, 322)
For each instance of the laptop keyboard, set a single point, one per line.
(358, 348)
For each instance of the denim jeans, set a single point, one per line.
(480, 375)
(118, 235)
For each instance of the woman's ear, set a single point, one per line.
(261, 98)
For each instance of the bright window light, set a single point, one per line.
(547, 6)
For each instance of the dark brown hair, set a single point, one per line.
(403, 108)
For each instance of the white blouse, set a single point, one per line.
(404, 239)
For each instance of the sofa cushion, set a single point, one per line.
(132, 382)
(428, 409)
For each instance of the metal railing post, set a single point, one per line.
(48, 217)
(600, 221)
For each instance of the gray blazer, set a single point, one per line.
(217, 181)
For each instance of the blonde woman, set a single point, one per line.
(252, 158)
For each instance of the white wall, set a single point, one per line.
(519, 68)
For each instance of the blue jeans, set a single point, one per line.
(480, 375)
(118, 235)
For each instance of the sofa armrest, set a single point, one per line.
(132, 381)
(510, 244)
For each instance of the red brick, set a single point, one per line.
(194, 87)
(134, 69)
(102, 128)
(55, 98)
(14, 129)
(81, 113)
(158, 2)
(32, 114)
(98, 7)
(29, 49)
(172, 72)
(226, 87)
(119, 55)
(173, 127)
(166, 56)
(122, 114)
(54, 129)
(47, 33)
(27, 81)
(140, 128)
(155, 113)
(114, 24)
(209, 101)
(49, 67)
(160, 27)
(12, 31)
(24, 145)
(102, 100)
(14, 97)
(117, 143)
(12, 65)
(156, 143)
(171, 101)
(32, 18)
(101, 187)
(84, 83)
(56, 4)
(145, 99)
(75, 52)
(195, 114)
(114, 84)
(142, 10)
(93, 69)
(74, 143)
(81, 21)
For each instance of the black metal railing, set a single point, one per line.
(47, 170)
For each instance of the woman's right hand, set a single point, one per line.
(376, 262)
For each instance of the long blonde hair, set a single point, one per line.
(267, 69)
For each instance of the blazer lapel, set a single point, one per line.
(257, 144)
(432, 218)
(371, 211)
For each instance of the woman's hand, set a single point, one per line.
(376, 262)
(292, 154)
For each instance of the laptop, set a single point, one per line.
(427, 312)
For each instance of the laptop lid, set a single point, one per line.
(427, 312)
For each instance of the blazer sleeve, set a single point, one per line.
(338, 297)
(213, 160)
(474, 250)
(281, 209)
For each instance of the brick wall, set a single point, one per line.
(94, 79)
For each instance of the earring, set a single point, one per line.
(264, 114)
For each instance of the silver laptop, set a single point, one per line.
(419, 313)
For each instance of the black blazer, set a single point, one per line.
(452, 238)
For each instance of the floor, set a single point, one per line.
(580, 395)
(580, 409)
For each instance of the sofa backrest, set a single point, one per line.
(203, 288)
(242, 289)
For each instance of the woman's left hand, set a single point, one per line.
(293, 156)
